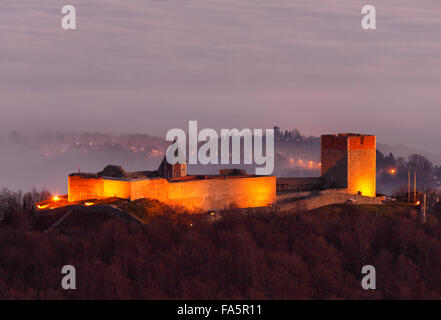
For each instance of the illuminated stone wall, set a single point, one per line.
(362, 166)
(195, 195)
(218, 194)
(155, 188)
(80, 188)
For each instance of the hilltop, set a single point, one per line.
(231, 255)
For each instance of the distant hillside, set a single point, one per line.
(43, 160)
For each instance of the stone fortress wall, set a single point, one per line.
(193, 194)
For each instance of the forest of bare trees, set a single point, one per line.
(311, 255)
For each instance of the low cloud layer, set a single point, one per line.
(149, 66)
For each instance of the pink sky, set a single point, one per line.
(149, 66)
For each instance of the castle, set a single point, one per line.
(348, 164)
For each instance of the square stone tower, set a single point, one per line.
(349, 161)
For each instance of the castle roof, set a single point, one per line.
(114, 171)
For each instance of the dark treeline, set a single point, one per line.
(316, 255)
(392, 174)
(16, 205)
